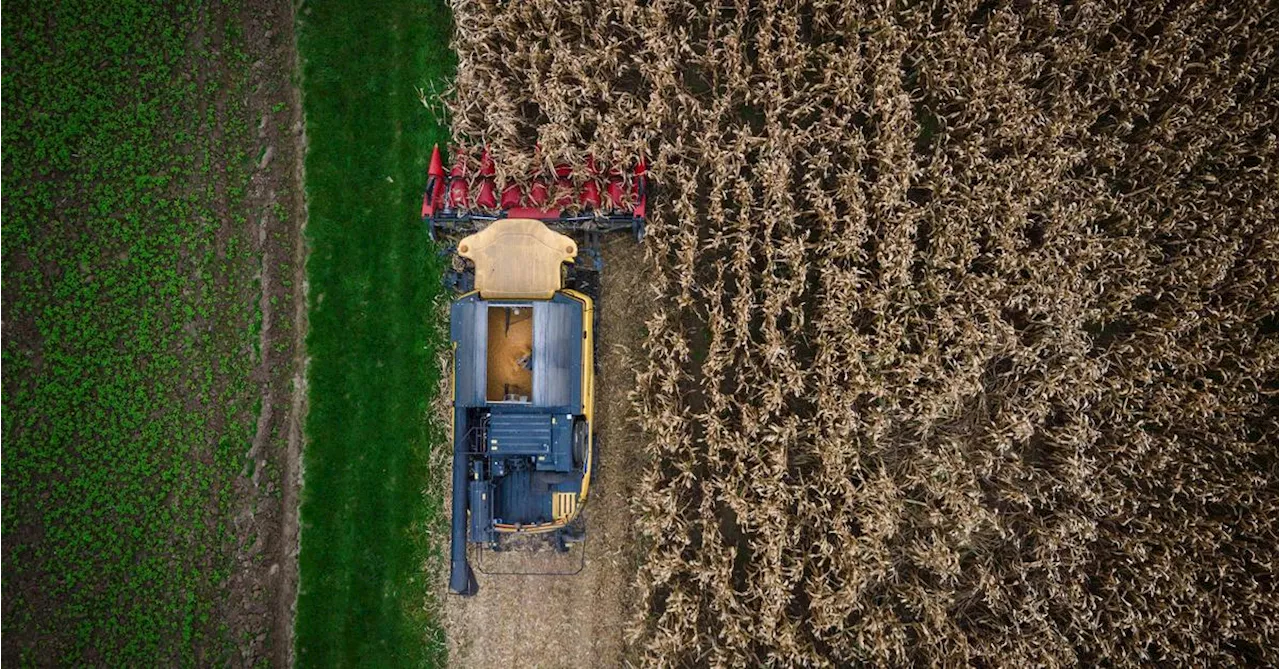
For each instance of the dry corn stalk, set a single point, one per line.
(968, 347)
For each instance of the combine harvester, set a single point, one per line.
(523, 345)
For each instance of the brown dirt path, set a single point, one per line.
(261, 593)
(575, 621)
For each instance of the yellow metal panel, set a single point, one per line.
(564, 505)
(588, 383)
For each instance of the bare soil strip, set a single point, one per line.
(287, 598)
(262, 592)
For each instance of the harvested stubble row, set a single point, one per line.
(968, 342)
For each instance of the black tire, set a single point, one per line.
(579, 443)
(586, 281)
(576, 531)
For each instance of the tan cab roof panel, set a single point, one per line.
(517, 258)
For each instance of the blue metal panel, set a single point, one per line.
(460, 577)
(518, 502)
(557, 353)
(469, 331)
(481, 494)
(560, 459)
(519, 434)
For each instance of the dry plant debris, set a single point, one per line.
(966, 341)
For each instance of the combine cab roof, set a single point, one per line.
(517, 258)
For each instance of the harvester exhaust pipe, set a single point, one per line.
(462, 580)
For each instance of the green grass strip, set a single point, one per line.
(364, 596)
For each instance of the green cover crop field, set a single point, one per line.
(149, 270)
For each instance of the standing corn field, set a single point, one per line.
(965, 346)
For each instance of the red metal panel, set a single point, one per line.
(435, 169)
(458, 192)
(533, 212)
(564, 192)
(614, 190)
(485, 198)
(590, 195)
(538, 193)
(511, 196)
